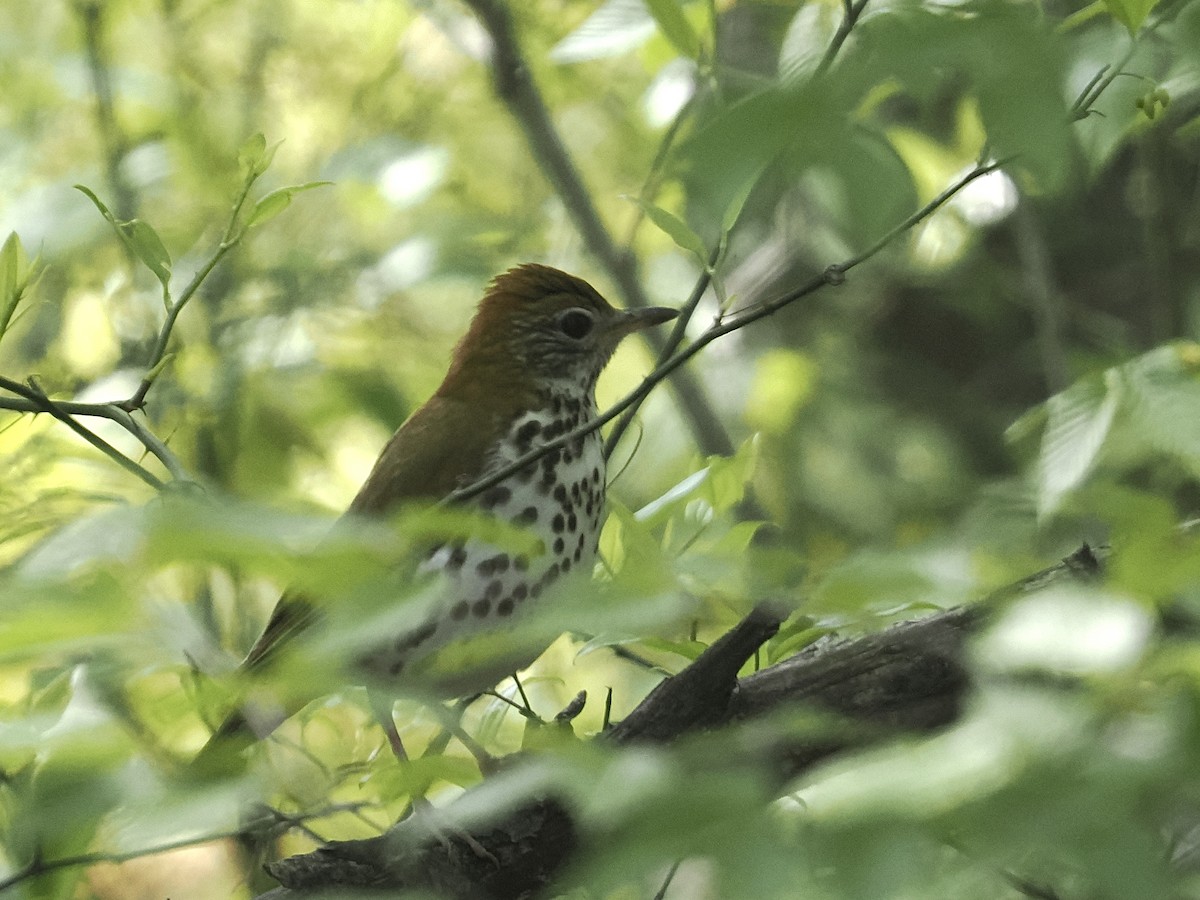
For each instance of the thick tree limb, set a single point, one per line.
(908, 678)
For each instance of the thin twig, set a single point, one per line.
(670, 876)
(851, 13)
(670, 345)
(229, 240)
(42, 403)
(110, 411)
(833, 275)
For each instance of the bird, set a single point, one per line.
(523, 375)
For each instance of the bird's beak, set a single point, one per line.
(632, 320)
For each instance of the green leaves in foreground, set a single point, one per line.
(1143, 410)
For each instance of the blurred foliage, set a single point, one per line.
(1013, 375)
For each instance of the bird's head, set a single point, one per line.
(541, 323)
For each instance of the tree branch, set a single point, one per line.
(834, 274)
(911, 678)
(518, 91)
(111, 411)
(229, 240)
(38, 402)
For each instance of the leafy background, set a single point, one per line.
(1008, 378)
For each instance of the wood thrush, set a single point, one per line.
(524, 374)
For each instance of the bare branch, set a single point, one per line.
(41, 403)
(111, 411)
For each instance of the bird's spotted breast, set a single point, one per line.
(559, 500)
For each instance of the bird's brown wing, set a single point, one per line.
(439, 448)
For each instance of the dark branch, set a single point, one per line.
(516, 88)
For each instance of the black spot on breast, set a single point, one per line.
(534, 590)
(494, 589)
(579, 552)
(521, 563)
(558, 524)
(520, 592)
(504, 607)
(527, 432)
(526, 474)
(494, 497)
(560, 493)
(396, 668)
(558, 545)
(553, 430)
(566, 565)
(481, 608)
(596, 475)
(572, 522)
(527, 516)
(416, 638)
(460, 611)
(458, 556)
(493, 565)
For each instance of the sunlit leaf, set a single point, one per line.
(675, 228)
(615, 27)
(272, 204)
(675, 26)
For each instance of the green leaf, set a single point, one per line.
(148, 246)
(1078, 424)
(251, 152)
(1130, 13)
(16, 275)
(104, 211)
(675, 26)
(687, 649)
(255, 157)
(737, 202)
(277, 201)
(675, 228)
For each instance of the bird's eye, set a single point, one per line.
(575, 324)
